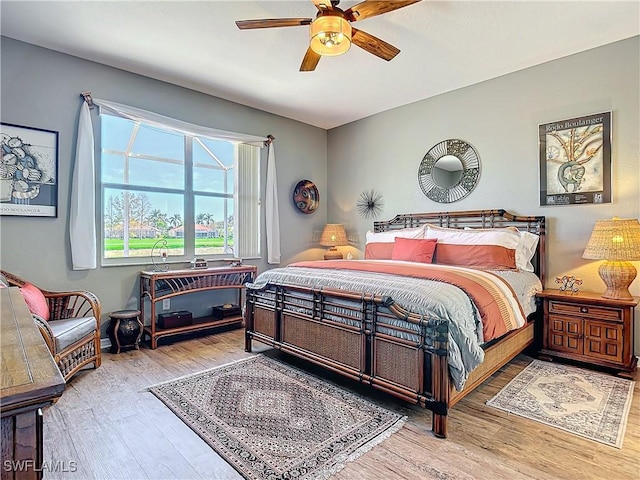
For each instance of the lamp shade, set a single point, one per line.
(614, 239)
(330, 35)
(617, 241)
(333, 235)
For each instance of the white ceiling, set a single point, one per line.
(445, 45)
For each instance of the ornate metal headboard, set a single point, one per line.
(475, 219)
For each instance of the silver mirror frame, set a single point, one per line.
(470, 160)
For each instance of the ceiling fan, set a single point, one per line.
(331, 31)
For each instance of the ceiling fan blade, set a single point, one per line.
(322, 5)
(371, 8)
(310, 61)
(272, 22)
(374, 45)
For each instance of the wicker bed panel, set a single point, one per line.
(338, 344)
(399, 364)
(264, 322)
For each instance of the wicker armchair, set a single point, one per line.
(73, 330)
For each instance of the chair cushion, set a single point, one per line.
(70, 330)
(35, 300)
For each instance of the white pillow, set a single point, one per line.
(507, 238)
(390, 236)
(526, 250)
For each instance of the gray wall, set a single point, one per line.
(41, 88)
(500, 119)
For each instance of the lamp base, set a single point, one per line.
(333, 254)
(617, 276)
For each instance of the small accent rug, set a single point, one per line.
(591, 404)
(271, 421)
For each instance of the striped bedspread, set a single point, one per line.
(478, 305)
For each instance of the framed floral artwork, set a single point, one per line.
(28, 171)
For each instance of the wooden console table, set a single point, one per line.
(30, 381)
(158, 286)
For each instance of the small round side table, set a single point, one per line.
(125, 329)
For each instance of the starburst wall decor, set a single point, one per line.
(370, 204)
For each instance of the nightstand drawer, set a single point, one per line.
(592, 311)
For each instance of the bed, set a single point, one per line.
(403, 325)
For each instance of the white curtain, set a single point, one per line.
(82, 224)
(151, 118)
(271, 207)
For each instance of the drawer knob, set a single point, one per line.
(584, 309)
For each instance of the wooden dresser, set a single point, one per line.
(30, 381)
(588, 328)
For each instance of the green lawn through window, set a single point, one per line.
(148, 243)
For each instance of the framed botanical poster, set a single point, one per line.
(575, 160)
(28, 171)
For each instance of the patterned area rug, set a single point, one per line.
(587, 403)
(273, 421)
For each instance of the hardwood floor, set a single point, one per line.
(106, 426)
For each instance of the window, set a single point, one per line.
(198, 194)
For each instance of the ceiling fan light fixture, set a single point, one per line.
(330, 35)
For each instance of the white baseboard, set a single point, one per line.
(105, 344)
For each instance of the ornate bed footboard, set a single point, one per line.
(358, 336)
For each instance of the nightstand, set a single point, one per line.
(588, 328)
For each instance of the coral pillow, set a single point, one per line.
(526, 247)
(378, 250)
(482, 248)
(414, 250)
(492, 257)
(34, 298)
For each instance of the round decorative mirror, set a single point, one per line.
(449, 171)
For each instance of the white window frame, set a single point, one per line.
(246, 192)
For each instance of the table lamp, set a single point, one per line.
(617, 241)
(332, 236)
